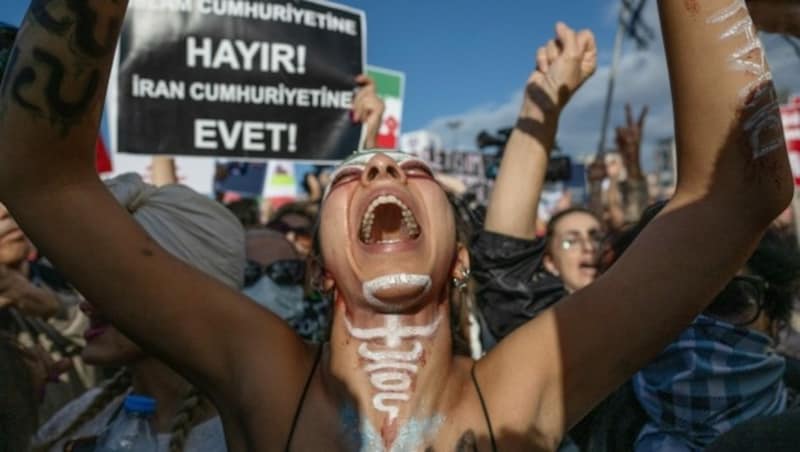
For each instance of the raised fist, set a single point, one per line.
(562, 66)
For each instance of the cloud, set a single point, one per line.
(642, 80)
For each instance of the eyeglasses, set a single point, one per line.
(739, 297)
(594, 240)
(284, 272)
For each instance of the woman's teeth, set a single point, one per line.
(409, 221)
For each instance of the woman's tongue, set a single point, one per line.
(389, 224)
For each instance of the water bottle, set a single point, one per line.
(131, 430)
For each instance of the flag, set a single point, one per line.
(102, 160)
(389, 86)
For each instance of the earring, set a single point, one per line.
(461, 284)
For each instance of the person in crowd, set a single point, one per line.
(617, 185)
(518, 275)
(518, 278)
(205, 235)
(296, 222)
(275, 277)
(721, 371)
(389, 378)
(573, 241)
(566, 260)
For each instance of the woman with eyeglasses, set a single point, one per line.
(573, 241)
(721, 371)
(519, 276)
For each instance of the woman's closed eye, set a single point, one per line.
(345, 176)
(417, 169)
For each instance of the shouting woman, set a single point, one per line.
(388, 378)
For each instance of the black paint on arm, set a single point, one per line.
(40, 13)
(86, 26)
(64, 108)
(63, 84)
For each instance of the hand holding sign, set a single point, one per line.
(368, 109)
(226, 85)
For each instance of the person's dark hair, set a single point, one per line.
(778, 266)
(18, 409)
(246, 211)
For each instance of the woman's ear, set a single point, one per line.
(461, 263)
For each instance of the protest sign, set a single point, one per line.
(389, 85)
(468, 167)
(237, 78)
(243, 178)
(280, 180)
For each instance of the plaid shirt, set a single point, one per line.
(714, 376)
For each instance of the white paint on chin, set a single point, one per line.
(394, 280)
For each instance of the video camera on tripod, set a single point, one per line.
(559, 168)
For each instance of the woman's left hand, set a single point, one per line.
(368, 109)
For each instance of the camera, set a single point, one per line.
(559, 168)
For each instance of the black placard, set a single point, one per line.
(238, 78)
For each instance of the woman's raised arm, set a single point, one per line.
(562, 66)
(733, 179)
(50, 104)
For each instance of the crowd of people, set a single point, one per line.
(387, 313)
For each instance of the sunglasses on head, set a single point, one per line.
(283, 272)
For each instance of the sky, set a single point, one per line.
(467, 60)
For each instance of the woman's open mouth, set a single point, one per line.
(387, 220)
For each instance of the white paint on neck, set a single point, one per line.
(395, 280)
(765, 120)
(391, 369)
